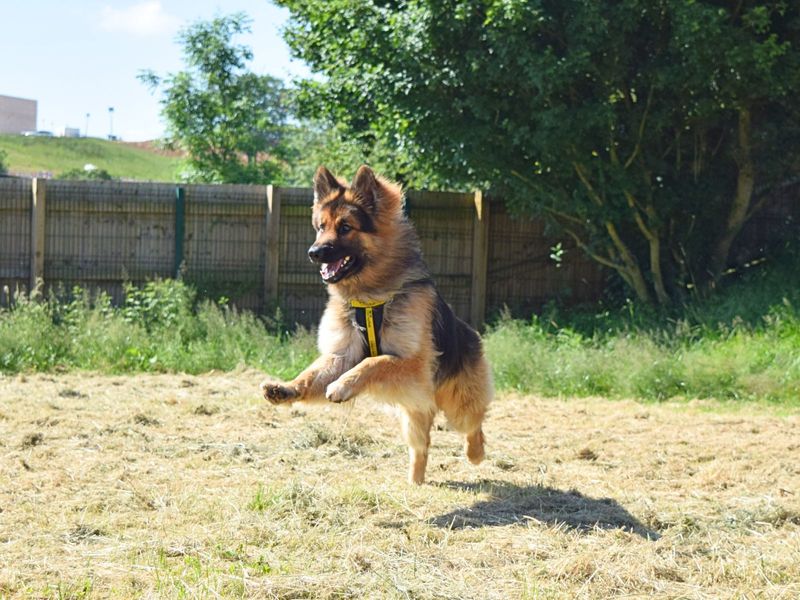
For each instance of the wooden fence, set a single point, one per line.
(249, 244)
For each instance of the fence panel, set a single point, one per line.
(301, 293)
(15, 236)
(521, 274)
(444, 222)
(224, 244)
(101, 234)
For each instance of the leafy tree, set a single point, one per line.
(229, 120)
(313, 142)
(647, 130)
(3, 166)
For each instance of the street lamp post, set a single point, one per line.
(111, 122)
(86, 131)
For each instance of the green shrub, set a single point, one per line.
(86, 174)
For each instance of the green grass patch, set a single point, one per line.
(162, 327)
(749, 364)
(741, 345)
(55, 155)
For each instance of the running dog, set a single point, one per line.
(386, 333)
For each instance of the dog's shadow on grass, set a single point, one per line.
(510, 504)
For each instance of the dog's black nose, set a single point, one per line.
(317, 252)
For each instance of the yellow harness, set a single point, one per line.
(369, 315)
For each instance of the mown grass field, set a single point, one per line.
(181, 486)
(630, 454)
(36, 155)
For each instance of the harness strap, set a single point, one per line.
(369, 316)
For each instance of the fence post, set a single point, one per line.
(180, 229)
(38, 194)
(480, 260)
(272, 259)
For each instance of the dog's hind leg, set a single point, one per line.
(464, 399)
(417, 433)
(473, 446)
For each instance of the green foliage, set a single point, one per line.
(741, 345)
(748, 364)
(3, 162)
(228, 119)
(87, 175)
(157, 304)
(313, 143)
(638, 129)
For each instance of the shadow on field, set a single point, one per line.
(511, 504)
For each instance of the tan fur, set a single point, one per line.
(404, 375)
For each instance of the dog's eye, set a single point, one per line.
(344, 228)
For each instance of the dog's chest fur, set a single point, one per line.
(405, 328)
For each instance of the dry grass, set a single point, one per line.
(180, 486)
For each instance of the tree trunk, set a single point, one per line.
(631, 272)
(655, 270)
(741, 202)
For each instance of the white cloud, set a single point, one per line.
(144, 18)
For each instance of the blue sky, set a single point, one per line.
(79, 57)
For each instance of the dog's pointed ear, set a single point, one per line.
(365, 185)
(325, 184)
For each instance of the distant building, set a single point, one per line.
(17, 114)
(72, 132)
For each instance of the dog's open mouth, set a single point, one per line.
(334, 271)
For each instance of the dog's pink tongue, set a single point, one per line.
(328, 270)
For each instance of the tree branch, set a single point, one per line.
(639, 138)
(579, 169)
(739, 210)
(637, 216)
(594, 256)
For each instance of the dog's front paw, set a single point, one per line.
(277, 392)
(339, 391)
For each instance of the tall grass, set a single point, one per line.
(726, 363)
(160, 327)
(741, 344)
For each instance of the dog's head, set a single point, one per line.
(352, 222)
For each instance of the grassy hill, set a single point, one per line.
(35, 155)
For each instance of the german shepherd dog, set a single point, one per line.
(386, 332)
